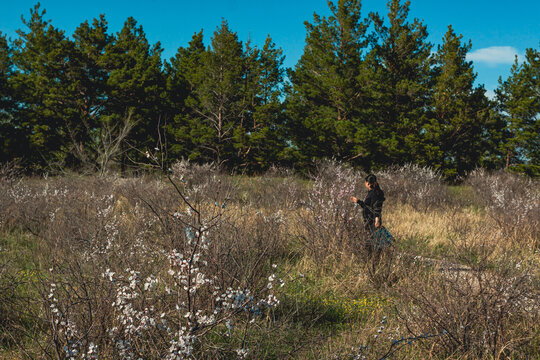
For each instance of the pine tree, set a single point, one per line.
(226, 102)
(184, 76)
(325, 97)
(266, 140)
(250, 84)
(456, 134)
(531, 68)
(41, 57)
(221, 98)
(519, 101)
(6, 69)
(8, 131)
(135, 87)
(400, 64)
(88, 86)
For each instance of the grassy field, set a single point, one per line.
(210, 266)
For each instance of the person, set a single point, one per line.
(372, 209)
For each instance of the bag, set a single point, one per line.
(382, 238)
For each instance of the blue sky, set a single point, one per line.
(498, 29)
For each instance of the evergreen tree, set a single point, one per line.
(226, 102)
(221, 98)
(184, 76)
(457, 133)
(41, 57)
(6, 69)
(88, 86)
(8, 131)
(135, 87)
(325, 99)
(400, 64)
(519, 100)
(250, 84)
(266, 139)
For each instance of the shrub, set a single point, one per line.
(421, 187)
(484, 310)
(513, 201)
(329, 222)
(133, 268)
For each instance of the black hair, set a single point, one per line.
(371, 179)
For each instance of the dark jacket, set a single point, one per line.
(372, 205)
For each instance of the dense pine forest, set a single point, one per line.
(369, 90)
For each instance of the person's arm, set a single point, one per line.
(358, 201)
(377, 212)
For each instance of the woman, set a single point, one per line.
(372, 208)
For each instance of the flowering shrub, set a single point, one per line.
(147, 278)
(512, 200)
(418, 186)
(329, 221)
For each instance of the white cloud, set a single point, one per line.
(495, 55)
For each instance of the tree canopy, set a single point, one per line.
(369, 89)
